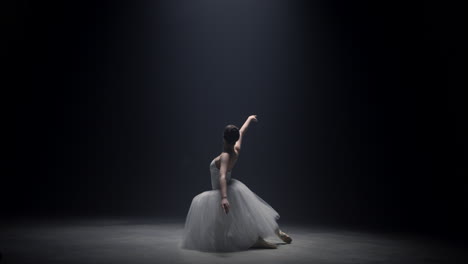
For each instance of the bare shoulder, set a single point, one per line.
(237, 148)
(224, 155)
(229, 158)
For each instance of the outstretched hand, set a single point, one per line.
(253, 118)
(225, 205)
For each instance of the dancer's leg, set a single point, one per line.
(261, 243)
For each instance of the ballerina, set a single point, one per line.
(230, 217)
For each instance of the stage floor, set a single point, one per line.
(156, 241)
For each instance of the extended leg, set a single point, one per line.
(261, 243)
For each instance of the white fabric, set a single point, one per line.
(208, 228)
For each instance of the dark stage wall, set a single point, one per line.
(117, 108)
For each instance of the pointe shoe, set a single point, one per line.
(261, 243)
(285, 237)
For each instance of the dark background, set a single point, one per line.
(117, 108)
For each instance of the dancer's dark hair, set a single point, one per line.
(231, 134)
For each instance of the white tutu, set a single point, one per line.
(208, 228)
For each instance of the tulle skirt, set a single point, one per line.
(208, 228)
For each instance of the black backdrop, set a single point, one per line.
(117, 108)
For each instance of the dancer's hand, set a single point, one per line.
(225, 205)
(253, 118)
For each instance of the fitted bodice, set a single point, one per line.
(215, 175)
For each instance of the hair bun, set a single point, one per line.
(231, 134)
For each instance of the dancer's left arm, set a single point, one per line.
(222, 181)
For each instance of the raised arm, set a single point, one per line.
(243, 130)
(222, 181)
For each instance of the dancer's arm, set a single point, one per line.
(222, 181)
(242, 131)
